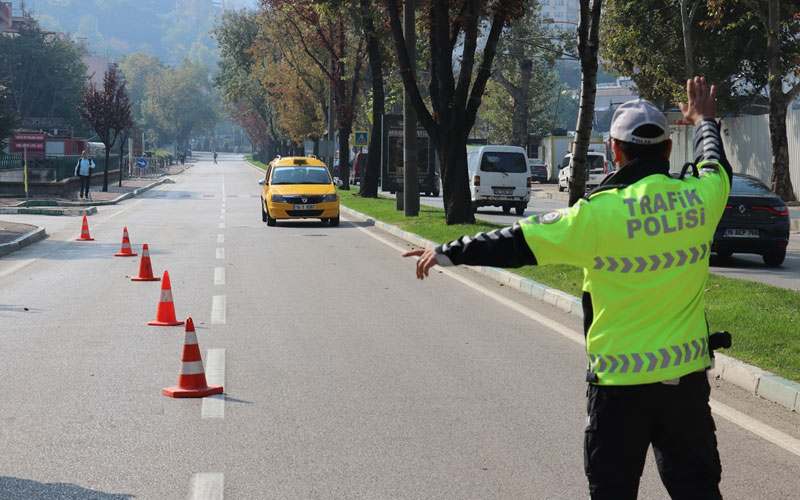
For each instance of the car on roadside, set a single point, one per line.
(298, 187)
(538, 170)
(755, 221)
(597, 168)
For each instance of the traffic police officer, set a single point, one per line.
(643, 239)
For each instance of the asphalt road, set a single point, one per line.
(742, 266)
(344, 376)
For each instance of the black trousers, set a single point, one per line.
(85, 179)
(676, 419)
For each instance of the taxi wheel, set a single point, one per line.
(334, 221)
(270, 220)
(263, 214)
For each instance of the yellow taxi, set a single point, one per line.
(298, 187)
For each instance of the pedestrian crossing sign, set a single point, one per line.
(361, 138)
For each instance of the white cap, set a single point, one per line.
(632, 115)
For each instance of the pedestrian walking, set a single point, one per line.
(643, 239)
(215, 157)
(84, 170)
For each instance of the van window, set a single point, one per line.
(510, 163)
(595, 162)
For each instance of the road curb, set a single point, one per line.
(24, 240)
(73, 208)
(748, 377)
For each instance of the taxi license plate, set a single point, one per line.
(504, 191)
(309, 206)
(741, 233)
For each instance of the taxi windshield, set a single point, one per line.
(300, 175)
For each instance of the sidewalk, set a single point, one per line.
(14, 236)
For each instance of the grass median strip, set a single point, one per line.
(764, 320)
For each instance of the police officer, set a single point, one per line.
(643, 239)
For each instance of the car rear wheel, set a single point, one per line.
(560, 189)
(724, 254)
(334, 221)
(263, 213)
(436, 194)
(774, 258)
(520, 209)
(270, 220)
(506, 209)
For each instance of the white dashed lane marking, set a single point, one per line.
(214, 406)
(219, 276)
(208, 486)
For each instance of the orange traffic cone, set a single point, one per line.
(145, 269)
(192, 380)
(165, 316)
(125, 251)
(85, 231)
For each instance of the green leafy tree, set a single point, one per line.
(454, 97)
(179, 102)
(658, 43)
(43, 74)
(524, 82)
(8, 119)
(138, 68)
(773, 28)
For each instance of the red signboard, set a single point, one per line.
(29, 137)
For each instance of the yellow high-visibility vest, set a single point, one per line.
(644, 249)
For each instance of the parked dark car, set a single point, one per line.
(755, 221)
(538, 170)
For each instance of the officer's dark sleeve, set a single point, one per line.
(504, 247)
(708, 146)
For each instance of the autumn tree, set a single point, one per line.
(295, 87)
(107, 111)
(328, 28)
(454, 97)
(237, 33)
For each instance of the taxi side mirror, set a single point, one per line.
(262, 181)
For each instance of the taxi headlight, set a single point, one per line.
(276, 198)
(329, 197)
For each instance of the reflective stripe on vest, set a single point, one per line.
(636, 362)
(652, 262)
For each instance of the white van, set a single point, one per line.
(597, 168)
(499, 177)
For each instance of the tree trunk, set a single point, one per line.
(105, 169)
(781, 180)
(451, 147)
(687, 16)
(372, 172)
(121, 152)
(587, 50)
(519, 126)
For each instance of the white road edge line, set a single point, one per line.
(208, 486)
(760, 429)
(214, 406)
(218, 310)
(219, 276)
